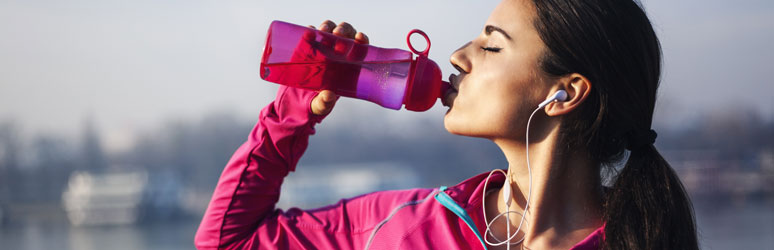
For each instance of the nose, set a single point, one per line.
(459, 59)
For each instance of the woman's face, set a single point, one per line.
(499, 83)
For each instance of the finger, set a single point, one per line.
(327, 26)
(361, 38)
(323, 103)
(329, 96)
(345, 29)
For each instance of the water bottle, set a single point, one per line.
(306, 58)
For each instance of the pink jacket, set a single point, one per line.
(242, 213)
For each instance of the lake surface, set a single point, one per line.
(736, 226)
(167, 236)
(721, 226)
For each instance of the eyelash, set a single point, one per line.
(491, 49)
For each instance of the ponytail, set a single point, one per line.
(648, 207)
(613, 44)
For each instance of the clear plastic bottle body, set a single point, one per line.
(302, 57)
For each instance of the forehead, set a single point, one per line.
(514, 16)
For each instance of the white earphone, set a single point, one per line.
(558, 96)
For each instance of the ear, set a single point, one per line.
(578, 88)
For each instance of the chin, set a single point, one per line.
(449, 128)
(462, 124)
(457, 126)
(448, 123)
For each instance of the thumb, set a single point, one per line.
(323, 103)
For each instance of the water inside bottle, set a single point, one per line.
(382, 82)
(301, 57)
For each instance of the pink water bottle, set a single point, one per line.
(302, 57)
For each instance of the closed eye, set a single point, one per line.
(491, 49)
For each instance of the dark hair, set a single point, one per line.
(612, 43)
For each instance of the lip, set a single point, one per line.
(452, 92)
(448, 98)
(454, 83)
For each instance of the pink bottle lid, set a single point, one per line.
(424, 85)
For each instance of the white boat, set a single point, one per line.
(104, 199)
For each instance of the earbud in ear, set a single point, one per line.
(559, 96)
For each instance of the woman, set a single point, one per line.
(602, 53)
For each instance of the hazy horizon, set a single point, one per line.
(133, 65)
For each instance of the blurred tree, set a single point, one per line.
(92, 155)
(9, 160)
(54, 163)
(733, 134)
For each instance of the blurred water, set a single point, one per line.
(721, 226)
(724, 225)
(167, 236)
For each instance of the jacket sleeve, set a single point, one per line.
(242, 214)
(249, 186)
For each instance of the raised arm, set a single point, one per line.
(249, 186)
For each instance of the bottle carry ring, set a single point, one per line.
(408, 40)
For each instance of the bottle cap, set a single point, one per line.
(424, 85)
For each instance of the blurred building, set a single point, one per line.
(706, 174)
(121, 197)
(109, 198)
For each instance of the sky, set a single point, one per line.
(130, 65)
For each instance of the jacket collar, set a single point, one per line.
(468, 194)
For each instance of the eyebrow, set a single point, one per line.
(490, 28)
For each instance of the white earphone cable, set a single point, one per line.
(508, 210)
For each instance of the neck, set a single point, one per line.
(565, 202)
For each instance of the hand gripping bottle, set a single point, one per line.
(302, 57)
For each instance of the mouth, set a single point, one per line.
(451, 93)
